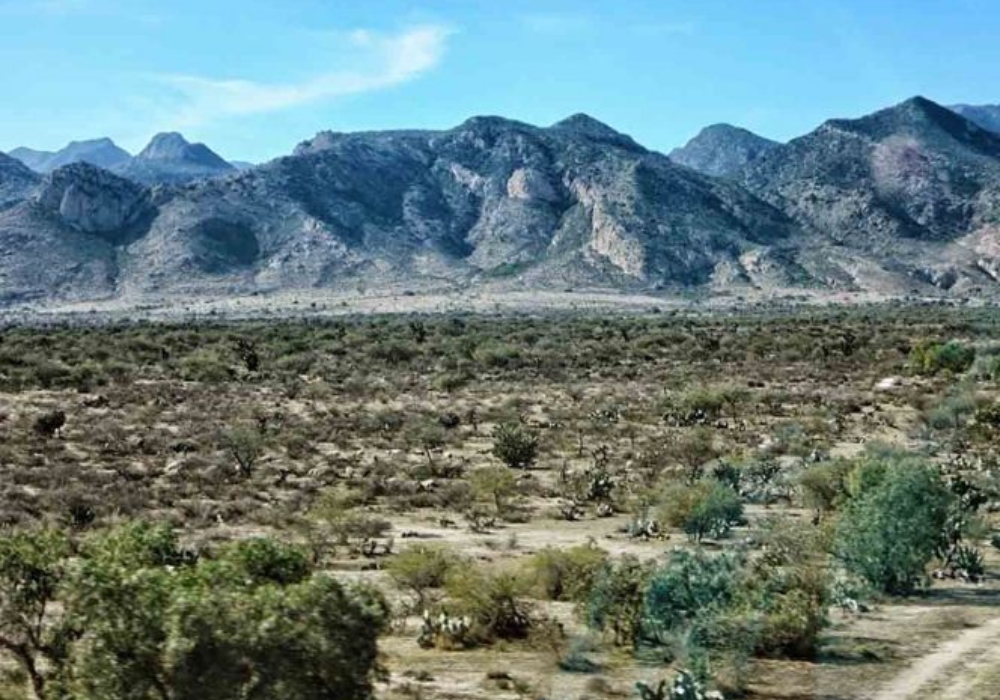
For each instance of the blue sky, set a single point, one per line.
(254, 77)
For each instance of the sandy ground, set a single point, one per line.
(332, 303)
(951, 671)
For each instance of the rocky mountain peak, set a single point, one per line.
(921, 118)
(587, 126)
(173, 147)
(722, 150)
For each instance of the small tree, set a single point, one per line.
(245, 446)
(32, 566)
(496, 484)
(131, 615)
(420, 569)
(893, 526)
(246, 349)
(514, 446)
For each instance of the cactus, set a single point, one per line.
(444, 631)
(683, 687)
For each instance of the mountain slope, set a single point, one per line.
(31, 158)
(916, 186)
(492, 199)
(16, 181)
(722, 150)
(986, 116)
(170, 159)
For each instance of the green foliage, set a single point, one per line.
(894, 523)
(690, 591)
(498, 485)
(566, 574)
(139, 619)
(32, 566)
(209, 366)
(824, 486)
(421, 568)
(617, 600)
(514, 446)
(703, 509)
(245, 445)
(495, 598)
(929, 358)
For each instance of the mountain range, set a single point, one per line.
(906, 200)
(168, 159)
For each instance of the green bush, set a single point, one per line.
(929, 358)
(617, 600)
(131, 615)
(495, 598)
(566, 574)
(893, 525)
(703, 509)
(420, 569)
(686, 594)
(824, 485)
(514, 446)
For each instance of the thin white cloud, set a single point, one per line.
(388, 60)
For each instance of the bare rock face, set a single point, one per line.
(93, 201)
(529, 184)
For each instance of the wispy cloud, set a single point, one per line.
(388, 60)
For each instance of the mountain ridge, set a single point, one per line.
(901, 201)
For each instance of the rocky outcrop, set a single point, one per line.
(94, 201)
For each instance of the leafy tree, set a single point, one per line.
(132, 616)
(494, 598)
(894, 525)
(245, 445)
(32, 566)
(514, 446)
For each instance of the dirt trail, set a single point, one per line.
(975, 648)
